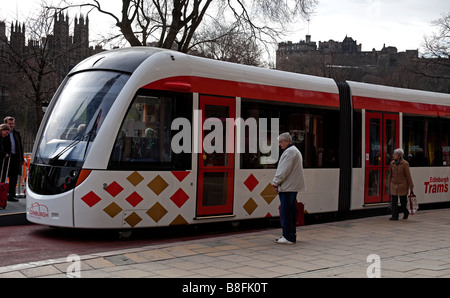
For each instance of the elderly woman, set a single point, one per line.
(4, 132)
(400, 182)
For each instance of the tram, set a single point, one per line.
(145, 137)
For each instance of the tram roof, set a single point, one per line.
(398, 94)
(123, 60)
(130, 59)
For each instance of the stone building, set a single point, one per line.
(66, 49)
(345, 60)
(32, 66)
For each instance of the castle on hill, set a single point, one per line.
(343, 60)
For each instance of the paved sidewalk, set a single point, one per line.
(417, 247)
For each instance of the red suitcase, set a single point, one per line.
(4, 187)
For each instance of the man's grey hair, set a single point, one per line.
(285, 136)
(399, 151)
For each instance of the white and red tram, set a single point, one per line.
(104, 154)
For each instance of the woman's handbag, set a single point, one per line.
(412, 205)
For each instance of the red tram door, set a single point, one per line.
(216, 158)
(382, 138)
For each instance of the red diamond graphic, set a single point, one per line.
(179, 198)
(91, 199)
(180, 175)
(134, 199)
(114, 189)
(251, 182)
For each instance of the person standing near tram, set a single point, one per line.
(400, 182)
(13, 145)
(288, 181)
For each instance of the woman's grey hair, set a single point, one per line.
(285, 136)
(399, 151)
(5, 127)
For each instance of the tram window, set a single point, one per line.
(445, 142)
(357, 136)
(315, 132)
(426, 141)
(144, 139)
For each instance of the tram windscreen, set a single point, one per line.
(77, 115)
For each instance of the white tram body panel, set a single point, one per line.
(56, 210)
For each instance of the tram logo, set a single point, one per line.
(38, 210)
(437, 185)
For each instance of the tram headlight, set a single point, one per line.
(83, 175)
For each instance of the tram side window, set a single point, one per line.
(357, 137)
(314, 131)
(426, 141)
(144, 139)
(446, 142)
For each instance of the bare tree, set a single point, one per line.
(435, 62)
(224, 43)
(172, 23)
(35, 69)
(31, 66)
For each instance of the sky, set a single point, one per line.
(372, 23)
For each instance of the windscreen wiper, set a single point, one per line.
(70, 146)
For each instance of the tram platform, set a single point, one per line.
(358, 248)
(14, 213)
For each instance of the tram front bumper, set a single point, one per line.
(52, 210)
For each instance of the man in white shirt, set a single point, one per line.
(288, 181)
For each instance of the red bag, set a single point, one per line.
(300, 214)
(4, 187)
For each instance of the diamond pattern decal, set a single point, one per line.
(112, 209)
(135, 178)
(251, 182)
(180, 175)
(132, 188)
(114, 189)
(133, 219)
(158, 185)
(179, 220)
(91, 199)
(156, 212)
(268, 194)
(179, 197)
(250, 206)
(134, 199)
